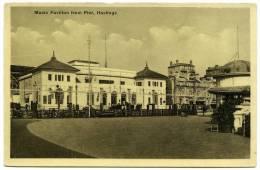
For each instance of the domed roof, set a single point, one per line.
(233, 68)
(236, 66)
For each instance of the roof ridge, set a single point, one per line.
(54, 64)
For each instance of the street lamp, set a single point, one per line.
(59, 96)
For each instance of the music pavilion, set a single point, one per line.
(86, 83)
(233, 84)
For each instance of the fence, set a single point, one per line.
(120, 111)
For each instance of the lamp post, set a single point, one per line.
(89, 78)
(76, 95)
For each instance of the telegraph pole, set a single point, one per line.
(89, 77)
(105, 50)
(237, 43)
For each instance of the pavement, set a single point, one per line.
(128, 137)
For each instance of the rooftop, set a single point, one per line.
(83, 61)
(233, 68)
(147, 73)
(230, 90)
(177, 63)
(55, 65)
(17, 70)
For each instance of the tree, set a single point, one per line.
(225, 115)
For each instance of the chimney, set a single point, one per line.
(191, 62)
(177, 61)
(170, 63)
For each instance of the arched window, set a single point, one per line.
(134, 98)
(103, 97)
(113, 98)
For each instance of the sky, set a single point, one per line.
(158, 35)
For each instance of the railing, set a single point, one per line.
(84, 113)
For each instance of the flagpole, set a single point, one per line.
(89, 78)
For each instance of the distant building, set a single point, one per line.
(232, 79)
(85, 83)
(233, 87)
(185, 86)
(16, 72)
(42, 82)
(151, 87)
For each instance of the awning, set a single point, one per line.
(230, 90)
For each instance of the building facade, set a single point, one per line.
(232, 78)
(233, 89)
(16, 72)
(86, 83)
(186, 87)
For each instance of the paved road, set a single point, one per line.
(26, 145)
(142, 137)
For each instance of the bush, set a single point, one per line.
(224, 117)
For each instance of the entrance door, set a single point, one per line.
(113, 98)
(123, 98)
(104, 99)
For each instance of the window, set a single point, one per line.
(122, 82)
(133, 98)
(149, 83)
(98, 97)
(161, 101)
(49, 99)
(160, 84)
(62, 77)
(44, 99)
(138, 83)
(149, 100)
(87, 80)
(61, 100)
(113, 98)
(123, 98)
(55, 77)
(26, 99)
(90, 96)
(68, 78)
(104, 99)
(106, 82)
(59, 77)
(77, 80)
(93, 98)
(68, 99)
(49, 77)
(155, 98)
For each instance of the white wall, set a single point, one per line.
(235, 81)
(39, 81)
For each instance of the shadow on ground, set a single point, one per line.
(26, 145)
(143, 137)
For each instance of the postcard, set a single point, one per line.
(130, 85)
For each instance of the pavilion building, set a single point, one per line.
(233, 87)
(86, 83)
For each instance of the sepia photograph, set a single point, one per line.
(134, 85)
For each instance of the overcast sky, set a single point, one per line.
(159, 35)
